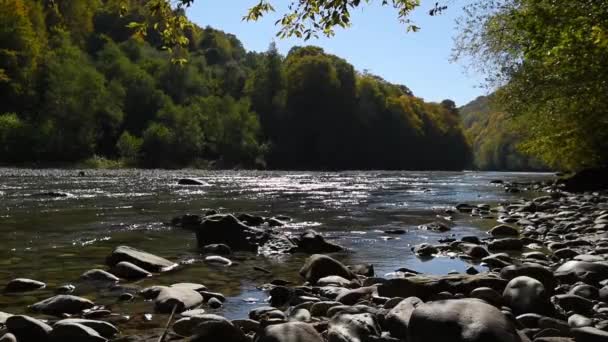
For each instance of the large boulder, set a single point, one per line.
(426, 287)
(318, 266)
(526, 295)
(353, 328)
(397, 319)
(182, 298)
(28, 329)
(290, 332)
(589, 272)
(313, 242)
(62, 304)
(23, 285)
(460, 320)
(228, 230)
(145, 260)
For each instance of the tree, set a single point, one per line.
(20, 52)
(548, 61)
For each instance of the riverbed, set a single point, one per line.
(56, 238)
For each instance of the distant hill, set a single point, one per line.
(493, 139)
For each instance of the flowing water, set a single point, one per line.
(56, 239)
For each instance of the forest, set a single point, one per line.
(76, 84)
(494, 138)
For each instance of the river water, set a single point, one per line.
(56, 239)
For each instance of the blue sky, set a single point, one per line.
(376, 41)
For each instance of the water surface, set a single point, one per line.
(57, 239)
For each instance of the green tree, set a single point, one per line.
(548, 61)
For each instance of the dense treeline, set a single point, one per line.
(494, 138)
(75, 84)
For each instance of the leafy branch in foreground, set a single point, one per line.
(303, 19)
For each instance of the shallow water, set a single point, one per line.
(57, 239)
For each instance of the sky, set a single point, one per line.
(375, 41)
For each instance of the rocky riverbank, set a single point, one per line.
(541, 274)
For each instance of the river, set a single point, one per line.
(56, 239)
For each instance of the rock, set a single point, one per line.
(192, 286)
(504, 230)
(217, 248)
(28, 329)
(320, 308)
(147, 261)
(425, 250)
(208, 295)
(290, 332)
(586, 291)
(192, 181)
(274, 222)
(251, 220)
(589, 334)
(127, 270)
(529, 320)
(473, 250)
(247, 325)
(395, 231)
(193, 312)
(319, 266)
(218, 330)
(352, 297)
(589, 272)
(366, 270)
(463, 320)
(506, 244)
(565, 253)
(526, 295)
(266, 312)
(75, 332)
(104, 329)
(333, 281)
(352, 328)
(65, 289)
(603, 294)
(313, 242)
(488, 295)
(183, 298)
(8, 337)
(188, 326)
(228, 230)
(573, 303)
(218, 260)
(3, 317)
(579, 321)
(98, 275)
(151, 292)
(435, 226)
(300, 315)
(23, 285)
(397, 319)
(538, 272)
(62, 304)
(425, 287)
(126, 297)
(214, 303)
(281, 295)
